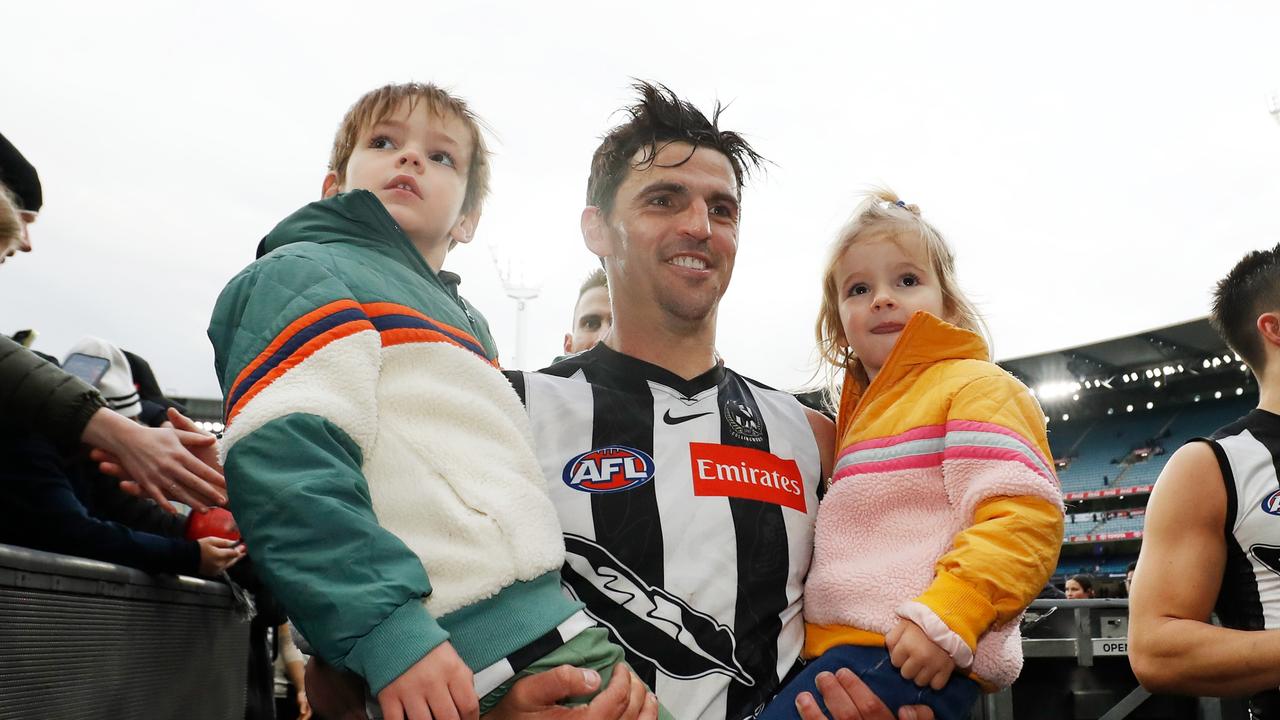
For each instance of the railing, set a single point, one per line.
(87, 639)
(1077, 668)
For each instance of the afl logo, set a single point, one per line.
(608, 470)
(1272, 504)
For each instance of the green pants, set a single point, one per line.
(589, 650)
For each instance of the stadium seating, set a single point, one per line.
(1095, 447)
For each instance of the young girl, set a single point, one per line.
(943, 518)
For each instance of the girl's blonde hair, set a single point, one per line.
(882, 212)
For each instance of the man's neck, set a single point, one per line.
(687, 352)
(1269, 392)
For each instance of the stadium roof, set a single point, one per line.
(1193, 340)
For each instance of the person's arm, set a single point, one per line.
(1172, 646)
(44, 512)
(997, 473)
(298, 360)
(42, 396)
(295, 666)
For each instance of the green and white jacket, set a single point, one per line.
(378, 463)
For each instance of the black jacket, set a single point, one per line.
(36, 394)
(70, 508)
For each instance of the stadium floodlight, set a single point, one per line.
(1237, 357)
(1066, 417)
(1076, 396)
(1217, 395)
(1196, 399)
(520, 286)
(1227, 358)
(1216, 362)
(1055, 390)
(1239, 391)
(1180, 368)
(1150, 405)
(1157, 383)
(1128, 408)
(1111, 411)
(1206, 364)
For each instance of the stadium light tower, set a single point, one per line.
(522, 288)
(1273, 106)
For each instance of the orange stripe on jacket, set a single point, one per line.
(304, 352)
(289, 331)
(378, 309)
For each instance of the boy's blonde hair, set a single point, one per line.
(882, 212)
(377, 105)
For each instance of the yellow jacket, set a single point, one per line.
(943, 509)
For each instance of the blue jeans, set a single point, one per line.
(872, 665)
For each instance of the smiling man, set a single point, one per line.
(687, 492)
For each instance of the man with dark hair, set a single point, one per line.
(592, 314)
(1212, 535)
(687, 492)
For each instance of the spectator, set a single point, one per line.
(592, 314)
(71, 508)
(155, 405)
(35, 395)
(11, 225)
(1079, 587)
(1128, 577)
(23, 184)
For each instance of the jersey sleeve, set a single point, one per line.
(998, 474)
(299, 359)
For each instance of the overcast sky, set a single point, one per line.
(1096, 166)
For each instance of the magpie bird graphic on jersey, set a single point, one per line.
(686, 643)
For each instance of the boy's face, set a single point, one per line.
(416, 163)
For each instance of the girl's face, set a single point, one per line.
(881, 280)
(1076, 592)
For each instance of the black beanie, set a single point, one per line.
(20, 177)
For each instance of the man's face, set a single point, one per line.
(592, 319)
(672, 235)
(416, 164)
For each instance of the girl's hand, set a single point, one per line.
(920, 660)
(218, 554)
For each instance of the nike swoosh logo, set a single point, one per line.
(677, 420)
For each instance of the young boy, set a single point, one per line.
(381, 465)
(1211, 542)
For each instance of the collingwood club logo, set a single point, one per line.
(742, 422)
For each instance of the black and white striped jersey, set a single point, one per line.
(688, 510)
(1248, 451)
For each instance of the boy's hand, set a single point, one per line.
(437, 687)
(919, 659)
(218, 554)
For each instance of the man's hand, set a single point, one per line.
(848, 698)
(537, 696)
(218, 554)
(918, 657)
(159, 462)
(437, 687)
